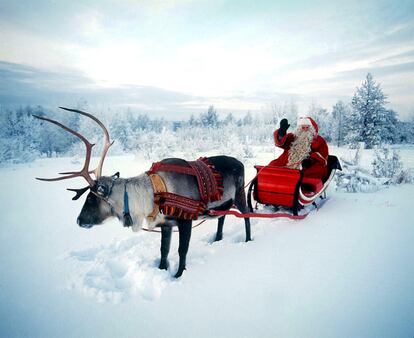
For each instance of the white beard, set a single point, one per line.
(300, 148)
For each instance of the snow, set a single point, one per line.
(346, 270)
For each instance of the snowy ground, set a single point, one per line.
(345, 271)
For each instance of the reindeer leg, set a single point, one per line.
(166, 231)
(241, 204)
(219, 234)
(247, 227)
(184, 230)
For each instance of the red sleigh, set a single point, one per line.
(287, 187)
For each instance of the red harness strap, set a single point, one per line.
(174, 168)
(209, 182)
(252, 214)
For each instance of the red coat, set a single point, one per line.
(318, 155)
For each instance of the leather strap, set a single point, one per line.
(159, 166)
(158, 185)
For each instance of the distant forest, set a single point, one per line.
(365, 119)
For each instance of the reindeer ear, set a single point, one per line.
(115, 176)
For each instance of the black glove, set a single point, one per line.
(306, 163)
(284, 125)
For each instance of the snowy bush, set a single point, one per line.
(248, 152)
(404, 176)
(386, 170)
(390, 167)
(353, 178)
(386, 165)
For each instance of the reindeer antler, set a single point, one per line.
(98, 170)
(85, 170)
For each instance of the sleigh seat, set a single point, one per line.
(311, 186)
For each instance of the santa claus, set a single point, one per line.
(303, 149)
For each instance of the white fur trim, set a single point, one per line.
(304, 121)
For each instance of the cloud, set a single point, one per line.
(180, 56)
(26, 85)
(22, 85)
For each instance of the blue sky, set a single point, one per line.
(178, 57)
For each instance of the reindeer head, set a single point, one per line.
(97, 206)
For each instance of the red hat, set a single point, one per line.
(308, 121)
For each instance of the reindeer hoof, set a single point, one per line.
(163, 265)
(218, 238)
(179, 272)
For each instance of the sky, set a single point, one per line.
(174, 58)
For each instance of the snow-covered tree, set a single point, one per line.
(390, 132)
(18, 135)
(339, 129)
(229, 119)
(288, 110)
(369, 118)
(138, 122)
(405, 132)
(121, 131)
(248, 119)
(24, 137)
(323, 118)
(210, 118)
(193, 121)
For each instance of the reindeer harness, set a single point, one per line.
(210, 187)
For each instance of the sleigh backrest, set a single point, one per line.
(277, 186)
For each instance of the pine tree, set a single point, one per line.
(193, 121)
(340, 115)
(121, 130)
(209, 119)
(248, 119)
(390, 132)
(406, 131)
(369, 116)
(229, 119)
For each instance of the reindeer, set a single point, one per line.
(132, 199)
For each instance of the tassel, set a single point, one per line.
(127, 220)
(127, 217)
